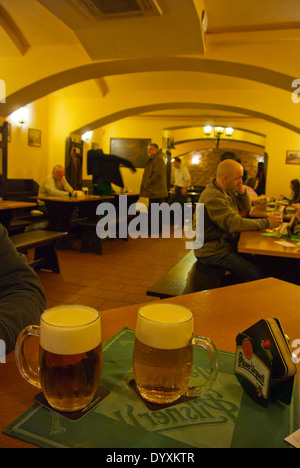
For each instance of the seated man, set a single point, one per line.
(55, 184)
(22, 298)
(223, 200)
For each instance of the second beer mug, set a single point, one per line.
(163, 353)
(70, 356)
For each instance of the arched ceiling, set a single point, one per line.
(124, 67)
(229, 110)
(47, 45)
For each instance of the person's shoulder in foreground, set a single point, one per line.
(22, 298)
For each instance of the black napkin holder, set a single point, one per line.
(263, 363)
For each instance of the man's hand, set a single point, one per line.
(244, 213)
(183, 191)
(275, 220)
(241, 189)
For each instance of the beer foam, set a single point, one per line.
(164, 326)
(70, 330)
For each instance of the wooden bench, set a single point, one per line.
(90, 241)
(18, 226)
(186, 277)
(44, 243)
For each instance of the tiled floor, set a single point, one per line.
(118, 277)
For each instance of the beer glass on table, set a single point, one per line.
(70, 356)
(163, 353)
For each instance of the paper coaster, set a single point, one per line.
(101, 393)
(156, 406)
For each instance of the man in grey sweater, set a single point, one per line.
(55, 184)
(22, 297)
(225, 199)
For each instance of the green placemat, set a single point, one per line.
(284, 236)
(224, 417)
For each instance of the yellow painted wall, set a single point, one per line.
(279, 173)
(24, 161)
(278, 141)
(58, 114)
(132, 128)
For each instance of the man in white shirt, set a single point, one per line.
(55, 184)
(181, 181)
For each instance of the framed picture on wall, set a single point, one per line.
(133, 149)
(34, 137)
(292, 157)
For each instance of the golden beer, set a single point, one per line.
(163, 352)
(70, 382)
(70, 357)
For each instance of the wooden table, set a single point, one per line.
(61, 209)
(220, 314)
(8, 208)
(253, 242)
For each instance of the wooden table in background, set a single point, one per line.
(61, 209)
(263, 211)
(253, 242)
(220, 314)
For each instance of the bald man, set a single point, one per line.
(224, 199)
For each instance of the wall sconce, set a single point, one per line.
(195, 160)
(170, 143)
(87, 136)
(21, 115)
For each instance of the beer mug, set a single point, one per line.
(70, 356)
(163, 353)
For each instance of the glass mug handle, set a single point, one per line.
(25, 370)
(208, 345)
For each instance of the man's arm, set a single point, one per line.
(22, 297)
(187, 181)
(158, 168)
(222, 212)
(67, 187)
(187, 177)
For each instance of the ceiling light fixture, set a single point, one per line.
(207, 129)
(217, 131)
(229, 131)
